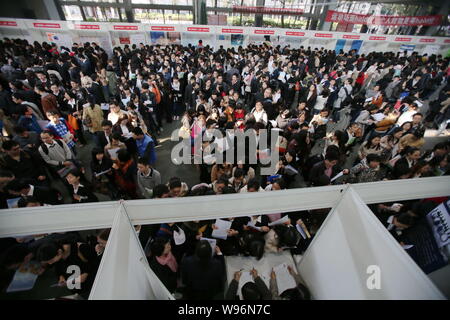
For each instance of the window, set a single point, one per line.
(101, 14)
(72, 13)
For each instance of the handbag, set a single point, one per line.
(87, 121)
(73, 122)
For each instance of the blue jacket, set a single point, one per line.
(146, 148)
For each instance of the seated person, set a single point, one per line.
(256, 290)
(301, 292)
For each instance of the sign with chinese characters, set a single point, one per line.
(265, 10)
(335, 16)
(125, 27)
(47, 25)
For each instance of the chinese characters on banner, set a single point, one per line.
(335, 16)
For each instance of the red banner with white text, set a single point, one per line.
(335, 16)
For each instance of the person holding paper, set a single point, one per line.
(113, 147)
(56, 153)
(371, 146)
(251, 290)
(102, 172)
(203, 274)
(329, 167)
(80, 188)
(300, 292)
(125, 172)
(115, 112)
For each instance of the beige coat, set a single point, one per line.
(96, 115)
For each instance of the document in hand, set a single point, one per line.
(113, 153)
(246, 276)
(284, 279)
(212, 243)
(222, 227)
(340, 174)
(251, 224)
(302, 232)
(279, 221)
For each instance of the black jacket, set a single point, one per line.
(164, 273)
(319, 169)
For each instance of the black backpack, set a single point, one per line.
(45, 148)
(347, 100)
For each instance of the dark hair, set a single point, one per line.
(238, 173)
(138, 131)
(299, 293)
(123, 155)
(143, 160)
(373, 157)
(250, 291)
(17, 185)
(48, 251)
(157, 247)
(24, 201)
(254, 184)
(288, 236)
(9, 144)
(104, 234)
(203, 252)
(405, 218)
(87, 252)
(174, 182)
(280, 182)
(332, 156)
(159, 190)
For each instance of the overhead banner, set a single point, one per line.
(335, 16)
(439, 221)
(265, 10)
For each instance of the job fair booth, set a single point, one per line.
(352, 256)
(113, 34)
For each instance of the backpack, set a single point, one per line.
(347, 100)
(45, 148)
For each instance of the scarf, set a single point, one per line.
(168, 260)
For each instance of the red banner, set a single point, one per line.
(335, 16)
(125, 40)
(125, 27)
(158, 28)
(87, 26)
(351, 36)
(264, 10)
(323, 35)
(264, 31)
(427, 40)
(195, 29)
(47, 25)
(401, 39)
(294, 33)
(377, 38)
(232, 30)
(8, 23)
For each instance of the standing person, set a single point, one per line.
(163, 263)
(80, 192)
(147, 178)
(102, 172)
(48, 101)
(92, 117)
(61, 129)
(145, 145)
(203, 273)
(343, 98)
(125, 174)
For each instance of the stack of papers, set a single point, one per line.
(222, 227)
(212, 243)
(279, 221)
(284, 279)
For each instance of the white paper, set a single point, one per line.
(246, 276)
(223, 226)
(378, 116)
(284, 279)
(273, 123)
(212, 243)
(23, 281)
(179, 236)
(222, 144)
(302, 232)
(407, 246)
(368, 99)
(279, 221)
(125, 101)
(340, 174)
(113, 153)
(12, 203)
(104, 106)
(290, 170)
(251, 224)
(102, 173)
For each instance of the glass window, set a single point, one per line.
(72, 13)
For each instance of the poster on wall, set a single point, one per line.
(174, 37)
(409, 48)
(439, 221)
(158, 37)
(60, 39)
(137, 38)
(124, 40)
(237, 39)
(431, 49)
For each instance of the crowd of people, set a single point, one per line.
(54, 101)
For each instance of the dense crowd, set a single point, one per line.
(339, 118)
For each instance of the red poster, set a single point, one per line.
(377, 38)
(161, 28)
(264, 31)
(196, 29)
(294, 33)
(47, 25)
(335, 16)
(351, 36)
(232, 30)
(323, 35)
(125, 27)
(125, 40)
(400, 39)
(87, 26)
(447, 41)
(8, 23)
(427, 40)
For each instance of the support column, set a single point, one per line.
(259, 17)
(200, 16)
(432, 30)
(326, 26)
(128, 10)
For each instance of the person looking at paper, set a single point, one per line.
(102, 173)
(55, 152)
(329, 167)
(251, 290)
(80, 188)
(115, 144)
(300, 292)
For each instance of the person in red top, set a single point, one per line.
(239, 116)
(48, 101)
(359, 81)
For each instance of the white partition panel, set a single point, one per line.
(124, 272)
(353, 256)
